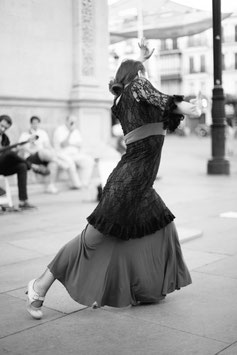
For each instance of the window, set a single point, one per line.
(235, 61)
(175, 43)
(169, 44)
(202, 63)
(236, 33)
(163, 45)
(191, 65)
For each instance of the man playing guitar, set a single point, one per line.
(11, 163)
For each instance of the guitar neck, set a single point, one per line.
(9, 147)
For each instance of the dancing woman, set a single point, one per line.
(129, 252)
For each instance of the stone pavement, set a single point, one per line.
(200, 319)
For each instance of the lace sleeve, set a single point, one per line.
(144, 91)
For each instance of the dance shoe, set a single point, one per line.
(33, 296)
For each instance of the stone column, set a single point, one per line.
(90, 99)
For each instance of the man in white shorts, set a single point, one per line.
(67, 141)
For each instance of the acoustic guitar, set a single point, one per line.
(9, 147)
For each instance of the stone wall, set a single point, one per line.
(54, 61)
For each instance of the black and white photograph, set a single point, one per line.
(118, 177)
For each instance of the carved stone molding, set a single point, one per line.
(88, 38)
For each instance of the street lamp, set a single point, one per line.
(218, 164)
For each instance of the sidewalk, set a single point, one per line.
(200, 319)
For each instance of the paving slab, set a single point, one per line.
(230, 350)
(17, 275)
(205, 308)
(10, 253)
(57, 299)
(226, 267)
(219, 237)
(98, 332)
(196, 259)
(66, 233)
(46, 245)
(14, 317)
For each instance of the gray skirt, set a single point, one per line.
(117, 273)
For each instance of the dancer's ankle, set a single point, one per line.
(39, 288)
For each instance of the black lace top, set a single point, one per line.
(129, 206)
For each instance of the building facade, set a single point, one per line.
(54, 62)
(185, 65)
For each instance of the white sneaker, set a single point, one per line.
(51, 189)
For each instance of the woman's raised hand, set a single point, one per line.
(197, 102)
(145, 52)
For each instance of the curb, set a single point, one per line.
(188, 234)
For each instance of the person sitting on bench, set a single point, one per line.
(11, 163)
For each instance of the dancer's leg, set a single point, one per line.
(42, 285)
(36, 291)
(69, 252)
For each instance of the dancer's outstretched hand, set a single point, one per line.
(145, 52)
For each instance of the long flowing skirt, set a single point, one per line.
(117, 273)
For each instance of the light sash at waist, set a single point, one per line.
(149, 129)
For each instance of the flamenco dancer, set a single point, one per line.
(129, 252)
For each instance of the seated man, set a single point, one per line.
(11, 163)
(40, 152)
(68, 143)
